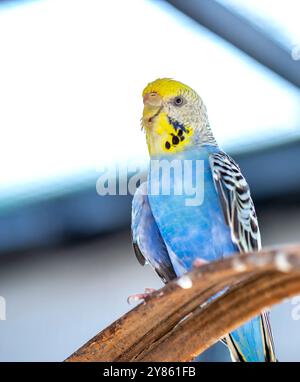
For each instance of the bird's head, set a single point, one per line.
(174, 117)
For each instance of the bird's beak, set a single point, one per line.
(153, 104)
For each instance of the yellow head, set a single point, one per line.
(174, 117)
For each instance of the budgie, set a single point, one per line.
(170, 234)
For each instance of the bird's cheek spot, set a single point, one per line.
(167, 145)
(175, 140)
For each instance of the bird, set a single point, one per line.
(170, 231)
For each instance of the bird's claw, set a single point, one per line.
(199, 262)
(140, 296)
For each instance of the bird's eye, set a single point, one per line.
(178, 101)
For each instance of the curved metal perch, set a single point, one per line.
(155, 330)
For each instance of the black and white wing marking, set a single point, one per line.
(236, 202)
(239, 214)
(148, 243)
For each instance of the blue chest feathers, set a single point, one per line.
(187, 210)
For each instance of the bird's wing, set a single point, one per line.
(236, 202)
(240, 216)
(148, 243)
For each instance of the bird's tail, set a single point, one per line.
(253, 342)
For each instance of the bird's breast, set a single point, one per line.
(186, 207)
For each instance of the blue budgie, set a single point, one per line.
(170, 230)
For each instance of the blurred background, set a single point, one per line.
(71, 76)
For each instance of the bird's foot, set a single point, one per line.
(140, 296)
(199, 262)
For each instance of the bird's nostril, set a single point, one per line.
(152, 99)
